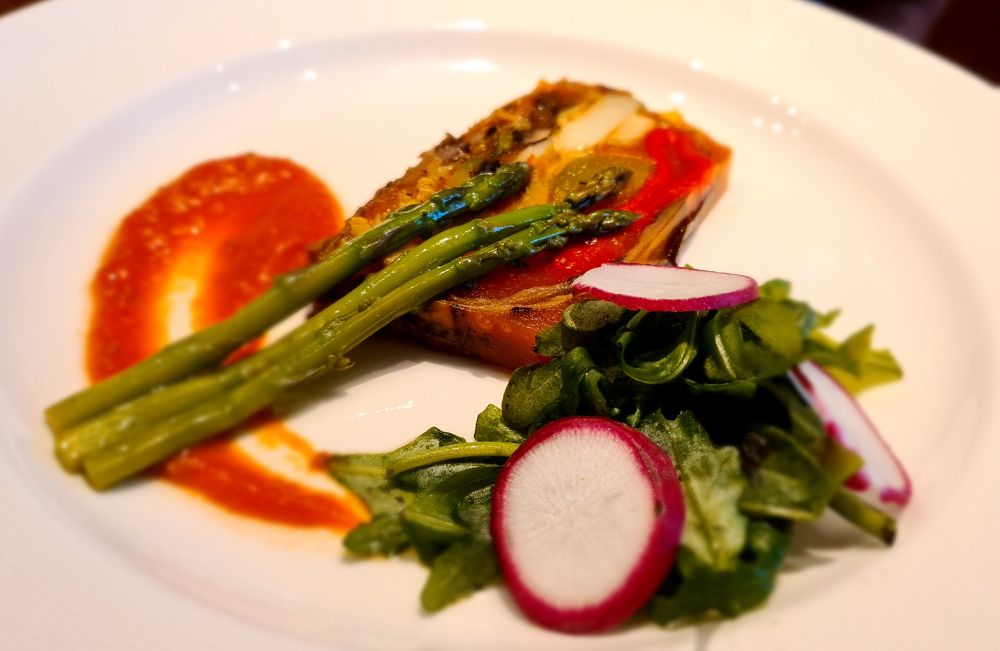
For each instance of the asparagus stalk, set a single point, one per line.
(323, 351)
(115, 425)
(288, 294)
(74, 444)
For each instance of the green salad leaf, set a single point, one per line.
(582, 324)
(788, 482)
(659, 366)
(433, 513)
(709, 388)
(383, 535)
(458, 571)
(714, 528)
(696, 590)
(440, 509)
(533, 396)
(853, 362)
(809, 320)
(491, 426)
(755, 341)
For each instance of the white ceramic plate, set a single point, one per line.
(864, 170)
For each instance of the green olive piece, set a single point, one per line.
(580, 171)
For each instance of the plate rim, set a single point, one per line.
(35, 18)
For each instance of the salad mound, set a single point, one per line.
(713, 389)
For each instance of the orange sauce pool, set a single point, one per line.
(225, 228)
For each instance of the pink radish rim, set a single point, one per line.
(690, 304)
(640, 584)
(859, 481)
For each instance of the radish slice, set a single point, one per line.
(587, 517)
(882, 479)
(665, 289)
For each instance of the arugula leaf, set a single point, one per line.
(433, 476)
(714, 528)
(364, 475)
(490, 426)
(854, 363)
(752, 342)
(582, 323)
(433, 513)
(806, 428)
(590, 317)
(658, 366)
(788, 482)
(532, 395)
(555, 340)
(839, 463)
(474, 511)
(569, 384)
(427, 547)
(695, 589)
(809, 320)
(801, 421)
(384, 535)
(414, 507)
(461, 569)
(582, 384)
(742, 389)
(431, 439)
(776, 289)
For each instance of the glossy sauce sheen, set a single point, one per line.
(227, 228)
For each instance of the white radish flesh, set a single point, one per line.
(666, 289)
(587, 517)
(882, 480)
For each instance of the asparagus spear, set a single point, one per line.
(74, 444)
(288, 294)
(113, 426)
(321, 352)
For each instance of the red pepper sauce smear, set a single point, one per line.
(225, 475)
(678, 168)
(228, 226)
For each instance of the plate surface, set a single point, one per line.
(868, 182)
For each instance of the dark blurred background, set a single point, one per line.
(966, 32)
